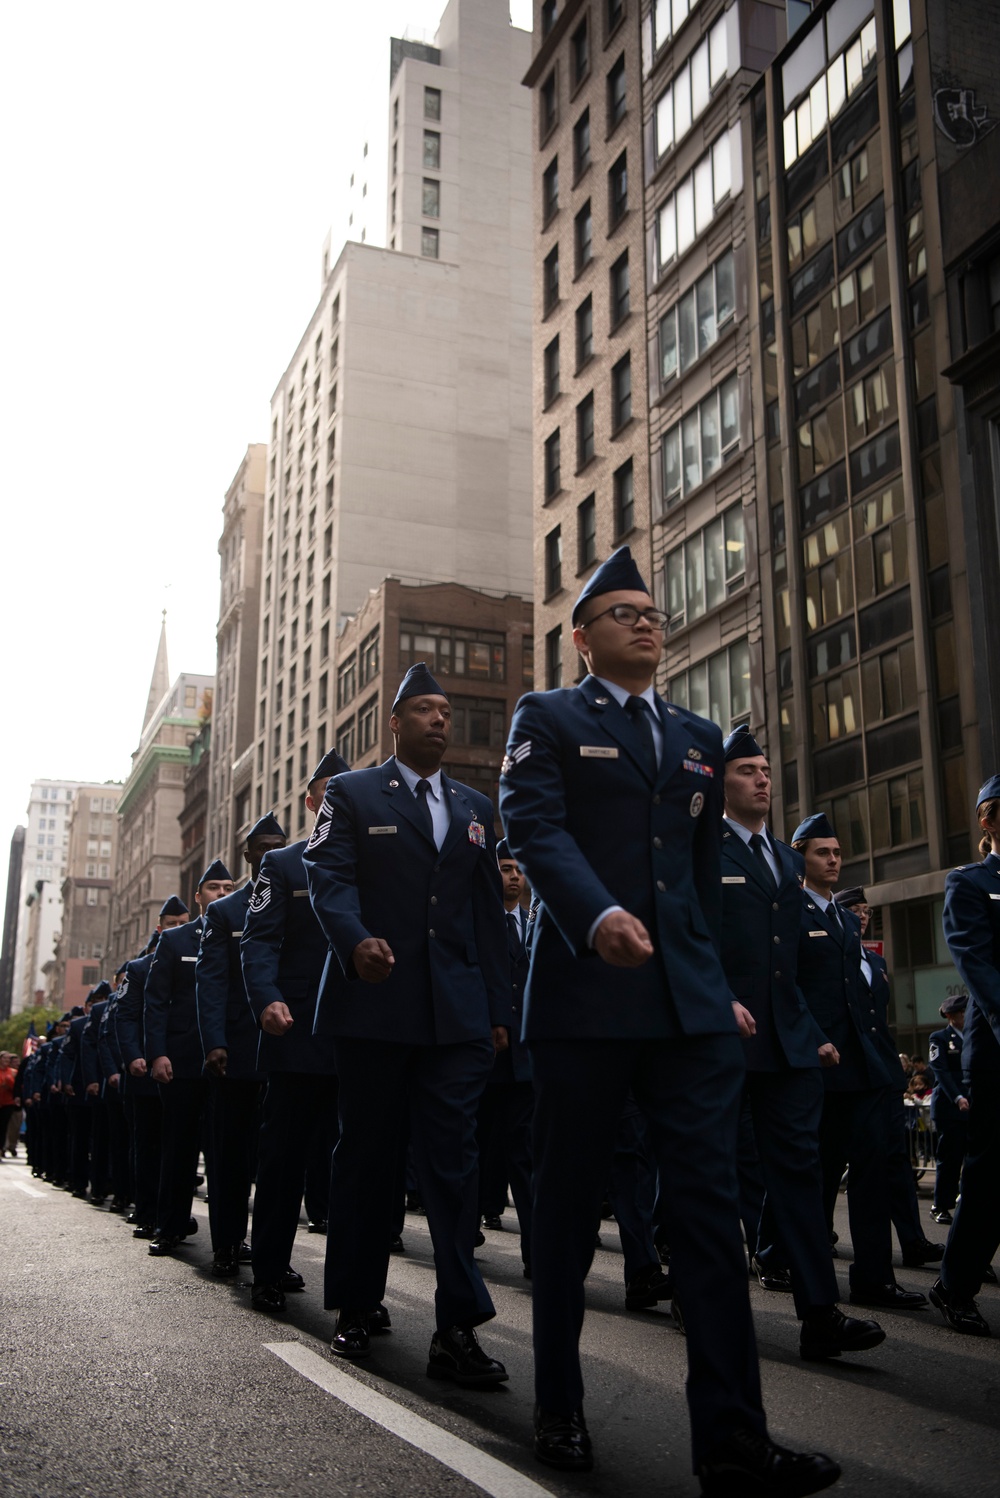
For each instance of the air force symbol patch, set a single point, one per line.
(697, 802)
(261, 897)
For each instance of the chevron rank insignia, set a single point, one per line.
(516, 755)
(261, 897)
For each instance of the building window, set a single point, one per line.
(690, 210)
(583, 237)
(368, 726)
(553, 658)
(553, 561)
(624, 500)
(581, 144)
(550, 279)
(432, 151)
(692, 87)
(368, 657)
(585, 431)
(709, 567)
(717, 688)
(550, 190)
(431, 207)
(548, 16)
(429, 244)
(551, 362)
(584, 332)
(432, 103)
(618, 191)
(528, 661)
(347, 681)
(619, 291)
(698, 319)
(621, 393)
(549, 102)
(701, 441)
(324, 692)
(478, 721)
(553, 480)
(324, 642)
(828, 95)
(454, 650)
(586, 533)
(616, 93)
(581, 54)
(345, 741)
(614, 14)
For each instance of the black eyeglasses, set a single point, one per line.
(628, 615)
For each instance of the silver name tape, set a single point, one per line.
(597, 751)
(189, 959)
(380, 831)
(819, 933)
(733, 879)
(300, 894)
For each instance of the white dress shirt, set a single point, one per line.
(745, 834)
(440, 811)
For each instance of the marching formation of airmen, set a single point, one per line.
(685, 1023)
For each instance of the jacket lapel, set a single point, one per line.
(462, 815)
(402, 798)
(613, 720)
(738, 849)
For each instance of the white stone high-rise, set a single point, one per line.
(400, 440)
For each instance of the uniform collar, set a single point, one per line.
(412, 779)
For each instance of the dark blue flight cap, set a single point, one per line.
(815, 826)
(741, 744)
(849, 897)
(618, 574)
(77, 1010)
(331, 764)
(174, 905)
(989, 792)
(151, 944)
(215, 870)
(503, 850)
(100, 990)
(418, 682)
(268, 826)
(954, 1004)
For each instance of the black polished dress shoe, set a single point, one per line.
(479, 1239)
(131, 1219)
(379, 1321)
(143, 1230)
(646, 1288)
(267, 1297)
(118, 1205)
(319, 1226)
(494, 1223)
(81, 1196)
(771, 1279)
(292, 1280)
(989, 1275)
(397, 1246)
(244, 1254)
(961, 1315)
(192, 1227)
(828, 1333)
(923, 1251)
(225, 1264)
(351, 1338)
(456, 1354)
(748, 1465)
(891, 1297)
(162, 1245)
(941, 1215)
(562, 1441)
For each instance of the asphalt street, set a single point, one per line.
(122, 1374)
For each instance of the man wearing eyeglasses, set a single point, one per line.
(612, 803)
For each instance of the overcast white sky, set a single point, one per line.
(167, 178)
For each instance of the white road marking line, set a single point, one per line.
(494, 1477)
(20, 1186)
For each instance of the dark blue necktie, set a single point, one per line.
(638, 712)
(757, 849)
(424, 810)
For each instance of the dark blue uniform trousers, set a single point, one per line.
(855, 1128)
(689, 1089)
(144, 1112)
(503, 1137)
(436, 1090)
(632, 1191)
(298, 1125)
(233, 1123)
(974, 1236)
(786, 1106)
(904, 1207)
(950, 1148)
(183, 1118)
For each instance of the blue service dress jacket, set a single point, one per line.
(514, 1063)
(885, 1041)
(284, 954)
(972, 931)
(71, 1062)
(944, 1057)
(375, 871)
(225, 1018)
(90, 1046)
(760, 946)
(832, 982)
(592, 827)
(169, 1005)
(130, 1023)
(108, 1047)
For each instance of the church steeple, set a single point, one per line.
(160, 682)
